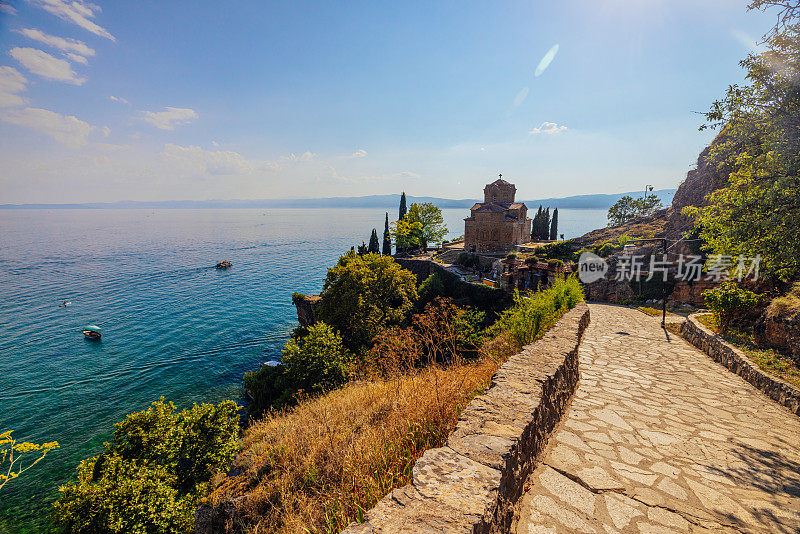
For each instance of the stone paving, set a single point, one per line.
(660, 438)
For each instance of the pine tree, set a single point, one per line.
(374, 245)
(554, 226)
(387, 239)
(403, 208)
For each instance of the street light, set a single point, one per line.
(646, 189)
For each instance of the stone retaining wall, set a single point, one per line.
(735, 360)
(472, 483)
(481, 296)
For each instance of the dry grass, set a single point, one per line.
(322, 464)
(769, 360)
(786, 305)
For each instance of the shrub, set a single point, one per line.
(530, 317)
(316, 362)
(562, 250)
(363, 295)
(606, 249)
(468, 259)
(431, 288)
(311, 363)
(151, 476)
(442, 333)
(728, 302)
(267, 388)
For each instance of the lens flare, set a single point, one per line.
(546, 60)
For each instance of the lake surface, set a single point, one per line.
(172, 324)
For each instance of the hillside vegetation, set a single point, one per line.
(320, 465)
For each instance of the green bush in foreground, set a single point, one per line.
(363, 295)
(313, 362)
(530, 317)
(728, 302)
(151, 476)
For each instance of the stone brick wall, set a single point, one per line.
(472, 483)
(491, 232)
(735, 360)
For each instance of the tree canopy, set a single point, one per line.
(433, 228)
(363, 295)
(627, 208)
(756, 210)
(152, 474)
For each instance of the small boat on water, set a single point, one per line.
(91, 331)
(224, 264)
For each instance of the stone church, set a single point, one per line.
(498, 223)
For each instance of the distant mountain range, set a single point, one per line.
(374, 201)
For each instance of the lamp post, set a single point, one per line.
(647, 188)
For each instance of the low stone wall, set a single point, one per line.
(472, 483)
(735, 360)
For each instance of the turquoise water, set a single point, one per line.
(172, 324)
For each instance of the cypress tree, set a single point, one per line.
(387, 239)
(554, 226)
(362, 249)
(374, 246)
(403, 209)
(546, 224)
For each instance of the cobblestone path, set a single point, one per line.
(659, 438)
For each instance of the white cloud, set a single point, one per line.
(73, 46)
(118, 99)
(293, 158)
(194, 159)
(546, 60)
(549, 128)
(75, 11)
(65, 129)
(11, 82)
(46, 66)
(5, 8)
(360, 153)
(169, 119)
(77, 59)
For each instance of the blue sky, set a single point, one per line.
(199, 100)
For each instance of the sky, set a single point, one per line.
(167, 100)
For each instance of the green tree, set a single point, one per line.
(387, 239)
(433, 228)
(546, 224)
(151, 476)
(363, 295)
(403, 210)
(317, 361)
(554, 226)
(407, 234)
(627, 208)
(756, 209)
(16, 457)
(374, 246)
